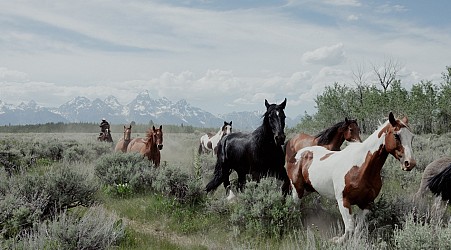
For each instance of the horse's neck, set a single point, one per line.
(336, 142)
(263, 134)
(375, 154)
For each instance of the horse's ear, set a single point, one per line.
(225, 123)
(161, 127)
(405, 120)
(230, 123)
(346, 120)
(392, 119)
(153, 127)
(266, 104)
(283, 104)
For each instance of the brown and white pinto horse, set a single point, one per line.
(124, 141)
(209, 141)
(353, 176)
(150, 146)
(331, 138)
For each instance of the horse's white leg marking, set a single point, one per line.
(348, 220)
(294, 193)
(231, 195)
(361, 216)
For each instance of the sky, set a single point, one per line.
(219, 55)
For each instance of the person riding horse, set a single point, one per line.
(104, 125)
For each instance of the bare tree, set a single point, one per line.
(387, 73)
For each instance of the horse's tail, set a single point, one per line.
(201, 150)
(440, 184)
(218, 177)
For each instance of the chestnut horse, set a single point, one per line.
(209, 141)
(149, 146)
(353, 176)
(331, 138)
(124, 141)
(437, 178)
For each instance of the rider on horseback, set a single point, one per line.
(104, 125)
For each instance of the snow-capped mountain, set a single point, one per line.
(142, 109)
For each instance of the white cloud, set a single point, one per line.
(352, 18)
(331, 55)
(8, 75)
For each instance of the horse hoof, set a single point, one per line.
(338, 239)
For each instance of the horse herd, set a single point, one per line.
(306, 163)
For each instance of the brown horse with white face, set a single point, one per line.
(122, 144)
(353, 176)
(150, 146)
(331, 138)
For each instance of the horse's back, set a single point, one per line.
(135, 145)
(432, 169)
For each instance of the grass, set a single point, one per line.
(155, 221)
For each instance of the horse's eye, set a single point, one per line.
(397, 137)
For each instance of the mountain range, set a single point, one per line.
(141, 110)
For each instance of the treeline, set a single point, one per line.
(427, 105)
(86, 127)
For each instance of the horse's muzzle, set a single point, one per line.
(408, 165)
(160, 146)
(279, 139)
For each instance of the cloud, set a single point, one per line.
(8, 75)
(352, 18)
(387, 8)
(329, 56)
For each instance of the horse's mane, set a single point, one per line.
(325, 137)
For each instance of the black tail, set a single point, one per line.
(218, 174)
(217, 179)
(441, 184)
(201, 150)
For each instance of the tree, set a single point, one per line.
(444, 103)
(387, 73)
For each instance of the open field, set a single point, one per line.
(161, 217)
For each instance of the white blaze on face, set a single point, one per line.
(406, 141)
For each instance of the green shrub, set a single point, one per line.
(96, 229)
(120, 168)
(31, 198)
(263, 210)
(177, 182)
(422, 235)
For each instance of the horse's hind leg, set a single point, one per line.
(241, 181)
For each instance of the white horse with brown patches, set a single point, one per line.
(353, 176)
(209, 141)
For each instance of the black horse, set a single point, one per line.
(258, 153)
(440, 185)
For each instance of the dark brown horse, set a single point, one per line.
(150, 146)
(105, 136)
(124, 141)
(437, 178)
(331, 138)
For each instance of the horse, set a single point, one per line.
(124, 141)
(258, 153)
(331, 138)
(105, 136)
(149, 146)
(353, 176)
(209, 142)
(437, 178)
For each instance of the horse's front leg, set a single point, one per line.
(348, 220)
